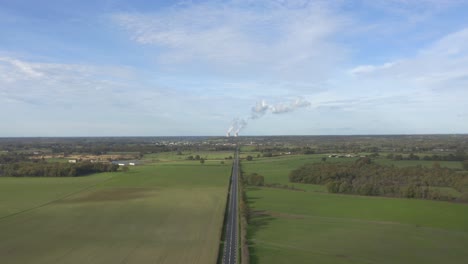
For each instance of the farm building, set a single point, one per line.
(126, 162)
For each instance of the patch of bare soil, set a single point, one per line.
(115, 194)
(276, 214)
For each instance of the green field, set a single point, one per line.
(314, 226)
(159, 213)
(172, 156)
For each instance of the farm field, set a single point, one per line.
(157, 213)
(20, 194)
(313, 226)
(172, 156)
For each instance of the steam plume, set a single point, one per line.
(236, 125)
(261, 108)
(289, 107)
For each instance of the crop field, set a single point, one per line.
(313, 226)
(158, 213)
(172, 156)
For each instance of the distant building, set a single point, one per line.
(126, 162)
(72, 161)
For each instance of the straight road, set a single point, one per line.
(230, 243)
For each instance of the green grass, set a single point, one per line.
(317, 227)
(172, 156)
(19, 194)
(247, 148)
(158, 213)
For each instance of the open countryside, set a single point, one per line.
(188, 200)
(234, 132)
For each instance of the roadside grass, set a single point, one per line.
(317, 227)
(156, 213)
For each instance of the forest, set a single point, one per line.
(55, 169)
(364, 177)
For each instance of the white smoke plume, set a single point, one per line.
(261, 108)
(237, 125)
(289, 107)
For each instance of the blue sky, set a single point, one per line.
(154, 68)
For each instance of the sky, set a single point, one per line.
(193, 68)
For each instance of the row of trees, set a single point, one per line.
(366, 178)
(45, 169)
(13, 157)
(458, 156)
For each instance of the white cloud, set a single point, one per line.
(366, 69)
(57, 98)
(443, 64)
(279, 39)
(215, 59)
(59, 84)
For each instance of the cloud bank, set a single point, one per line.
(268, 38)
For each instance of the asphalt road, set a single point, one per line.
(230, 243)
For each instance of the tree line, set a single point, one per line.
(367, 178)
(457, 156)
(57, 169)
(13, 157)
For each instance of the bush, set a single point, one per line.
(254, 179)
